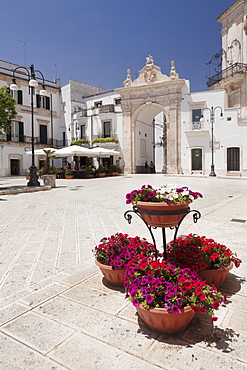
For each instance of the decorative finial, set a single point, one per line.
(128, 80)
(173, 73)
(149, 60)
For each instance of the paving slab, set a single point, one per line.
(16, 356)
(84, 352)
(37, 331)
(58, 312)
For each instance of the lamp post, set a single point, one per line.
(212, 112)
(33, 83)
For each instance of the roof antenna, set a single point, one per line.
(24, 42)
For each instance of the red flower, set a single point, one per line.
(214, 256)
(215, 304)
(213, 319)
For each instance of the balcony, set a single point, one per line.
(108, 108)
(80, 113)
(27, 140)
(196, 129)
(236, 70)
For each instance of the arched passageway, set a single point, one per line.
(151, 119)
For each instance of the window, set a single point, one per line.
(64, 139)
(82, 127)
(17, 95)
(196, 116)
(16, 132)
(118, 101)
(43, 134)
(107, 129)
(43, 102)
(98, 104)
(233, 159)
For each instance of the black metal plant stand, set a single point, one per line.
(196, 217)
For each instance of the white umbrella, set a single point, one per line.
(102, 152)
(41, 151)
(72, 150)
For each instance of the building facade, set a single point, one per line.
(152, 118)
(47, 129)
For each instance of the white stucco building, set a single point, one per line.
(47, 123)
(152, 118)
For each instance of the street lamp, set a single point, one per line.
(212, 111)
(33, 83)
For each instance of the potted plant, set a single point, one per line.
(48, 172)
(101, 171)
(69, 174)
(89, 172)
(165, 206)
(211, 260)
(113, 254)
(167, 296)
(104, 140)
(113, 169)
(27, 175)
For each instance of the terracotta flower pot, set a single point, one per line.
(114, 277)
(162, 214)
(217, 276)
(69, 176)
(159, 319)
(101, 174)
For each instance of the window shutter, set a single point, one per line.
(9, 134)
(47, 102)
(43, 134)
(37, 101)
(21, 132)
(19, 97)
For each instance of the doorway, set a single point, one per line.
(196, 160)
(15, 167)
(233, 159)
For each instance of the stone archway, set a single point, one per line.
(152, 92)
(146, 133)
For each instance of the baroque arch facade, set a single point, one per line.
(152, 93)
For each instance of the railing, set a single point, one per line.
(81, 113)
(235, 68)
(195, 126)
(28, 140)
(106, 108)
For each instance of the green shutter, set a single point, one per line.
(43, 134)
(9, 135)
(19, 97)
(47, 102)
(37, 101)
(21, 132)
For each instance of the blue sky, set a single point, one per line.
(96, 41)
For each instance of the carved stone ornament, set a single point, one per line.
(173, 73)
(149, 74)
(245, 27)
(128, 80)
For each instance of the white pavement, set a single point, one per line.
(56, 311)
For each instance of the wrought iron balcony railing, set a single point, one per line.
(236, 68)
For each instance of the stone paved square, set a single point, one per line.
(55, 305)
